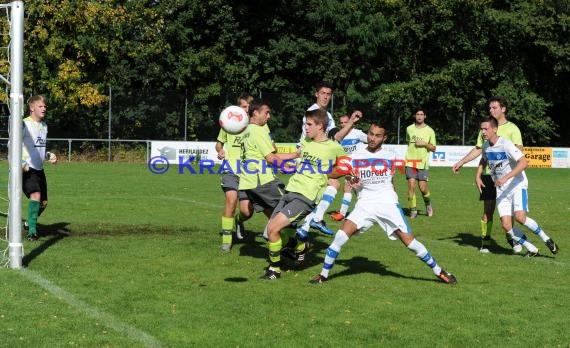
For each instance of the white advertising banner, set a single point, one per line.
(177, 152)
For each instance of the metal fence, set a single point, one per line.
(110, 150)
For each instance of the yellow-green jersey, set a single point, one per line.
(232, 147)
(415, 153)
(317, 160)
(256, 145)
(507, 130)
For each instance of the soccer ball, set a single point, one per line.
(233, 119)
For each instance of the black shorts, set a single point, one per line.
(267, 195)
(489, 192)
(35, 181)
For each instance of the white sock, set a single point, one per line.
(346, 199)
(423, 254)
(520, 238)
(328, 198)
(307, 222)
(535, 228)
(340, 238)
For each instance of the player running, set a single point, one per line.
(506, 165)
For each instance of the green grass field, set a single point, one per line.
(130, 259)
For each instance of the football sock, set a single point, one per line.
(265, 232)
(307, 223)
(33, 210)
(41, 210)
(346, 199)
(486, 228)
(535, 228)
(227, 228)
(423, 254)
(340, 238)
(412, 202)
(275, 254)
(520, 238)
(427, 198)
(328, 198)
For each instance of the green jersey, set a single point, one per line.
(507, 130)
(232, 146)
(256, 145)
(414, 133)
(317, 160)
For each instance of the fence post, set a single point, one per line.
(110, 114)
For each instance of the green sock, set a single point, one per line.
(227, 223)
(412, 202)
(33, 210)
(227, 229)
(427, 198)
(275, 254)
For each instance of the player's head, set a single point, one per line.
(489, 127)
(497, 107)
(37, 105)
(343, 120)
(316, 122)
(244, 100)
(259, 112)
(323, 93)
(419, 115)
(377, 135)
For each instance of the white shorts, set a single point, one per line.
(513, 200)
(389, 216)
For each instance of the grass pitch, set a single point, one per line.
(130, 259)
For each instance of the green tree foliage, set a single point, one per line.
(171, 63)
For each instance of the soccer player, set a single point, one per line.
(377, 203)
(34, 183)
(259, 161)
(506, 165)
(319, 155)
(323, 95)
(421, 141)
(351, 142)
(509, 131)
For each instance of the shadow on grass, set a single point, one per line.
(254, 245)
(468, 239)
(55, 232)
(360, 264)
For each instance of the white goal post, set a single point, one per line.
(14, 82)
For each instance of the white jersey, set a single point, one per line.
(354, 140)
(330, 126)
(376, 171)
(34, 139)
(501, 159)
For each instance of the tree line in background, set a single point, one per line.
(171, 64)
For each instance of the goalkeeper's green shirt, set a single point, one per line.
(317, 160)
(256, 145)
(507, 130)
(232, 147)
(414, 133)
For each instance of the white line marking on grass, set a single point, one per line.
(108, 320)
